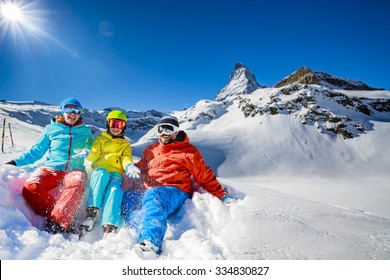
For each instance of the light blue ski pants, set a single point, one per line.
(105, 192)
(157, 204)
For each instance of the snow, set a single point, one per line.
(303, 195)
(364, 93)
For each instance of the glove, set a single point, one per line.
(227, 199)
(83, 153)
(132, 171)
(12, 162)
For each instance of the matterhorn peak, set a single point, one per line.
(239, 65)
(241, 81)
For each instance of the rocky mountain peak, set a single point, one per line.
(239, 65)
(303, 76)
(306, 76)
(241, 81)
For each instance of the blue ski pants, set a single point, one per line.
(105, 192)
(157, 204)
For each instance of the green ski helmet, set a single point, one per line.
(117, 114)
(116, 119)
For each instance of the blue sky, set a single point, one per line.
(167, 55)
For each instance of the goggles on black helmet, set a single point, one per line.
(166, 129)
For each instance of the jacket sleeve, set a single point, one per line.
(95, 151)
(142, 164)
(37, 151)
(89, 141)
(205, 176)
(127, 157)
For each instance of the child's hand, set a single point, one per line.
(132, 171)
(83, 153)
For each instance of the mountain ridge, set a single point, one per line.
(306, 76)
(300, 94)
(40, 113)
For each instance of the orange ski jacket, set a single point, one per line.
(174, 164)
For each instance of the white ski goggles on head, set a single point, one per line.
(166, 129)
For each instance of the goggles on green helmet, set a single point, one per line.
(70, 108)
(166, 129)
(115, 123)
(117, 114)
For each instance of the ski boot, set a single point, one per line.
(146, 246)
(53, 227)
(108, 229)
(90, 219)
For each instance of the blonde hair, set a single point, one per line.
(60, 119)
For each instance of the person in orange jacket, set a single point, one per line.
(167, 168)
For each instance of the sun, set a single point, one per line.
(20, 19)
(11, 12)
(25, 22)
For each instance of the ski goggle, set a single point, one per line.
(69, 109)
(166, 129)
(115, 123)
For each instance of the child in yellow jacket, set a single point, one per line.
(110, 155)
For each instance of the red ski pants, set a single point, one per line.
(39, 188)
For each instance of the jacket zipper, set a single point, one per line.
(70, 148)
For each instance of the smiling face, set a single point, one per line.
(71, 118)
(115, 131)
(167, 138)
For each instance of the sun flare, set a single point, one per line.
(11, 12)
(24, 22)
(20, 19)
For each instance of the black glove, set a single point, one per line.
(12, 162)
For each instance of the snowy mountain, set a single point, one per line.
(241, 81)
(309, 164)
(308, 96)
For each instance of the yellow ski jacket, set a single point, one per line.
(113, 154)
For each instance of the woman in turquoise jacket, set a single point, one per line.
(62, 138)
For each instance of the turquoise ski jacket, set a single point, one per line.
(60, 141)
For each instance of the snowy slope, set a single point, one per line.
(305, 194)
(264, 225)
